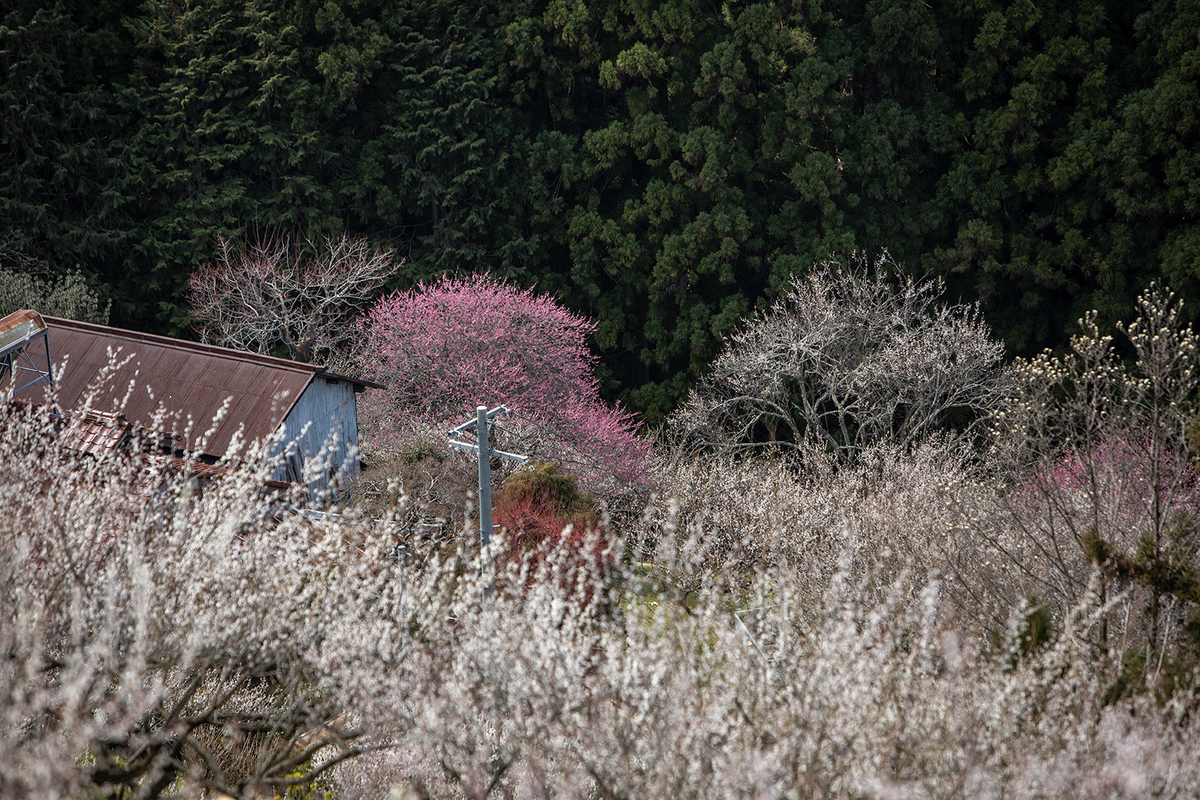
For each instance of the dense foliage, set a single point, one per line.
(664, 168)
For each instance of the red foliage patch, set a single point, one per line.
(545, 517)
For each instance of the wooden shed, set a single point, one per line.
(183, 387)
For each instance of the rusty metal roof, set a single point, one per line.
(184, 378)
(199, 469)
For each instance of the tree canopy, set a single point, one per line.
(665, 168)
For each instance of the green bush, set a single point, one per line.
(71, 296)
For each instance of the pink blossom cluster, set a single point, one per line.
(443, 348)
(1124, 484)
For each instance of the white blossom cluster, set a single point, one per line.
(791, 628)
(846, 359)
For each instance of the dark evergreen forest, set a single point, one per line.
(664, 167)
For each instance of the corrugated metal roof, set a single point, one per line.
(184, 378)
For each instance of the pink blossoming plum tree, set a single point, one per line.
(443, 348)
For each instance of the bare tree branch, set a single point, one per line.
(278, 296)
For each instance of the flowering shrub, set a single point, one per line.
(23, 285)
(540, 511)
(442, 349)
(148, 637)
(163, 643)
(1093, 453)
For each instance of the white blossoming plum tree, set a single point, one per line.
(848, 358)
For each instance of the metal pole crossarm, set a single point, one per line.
(470, 425)
(468, 447)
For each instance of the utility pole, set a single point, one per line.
(484, 450)
(481, 426)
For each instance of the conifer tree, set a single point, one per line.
(58, 64)
(229, 136)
